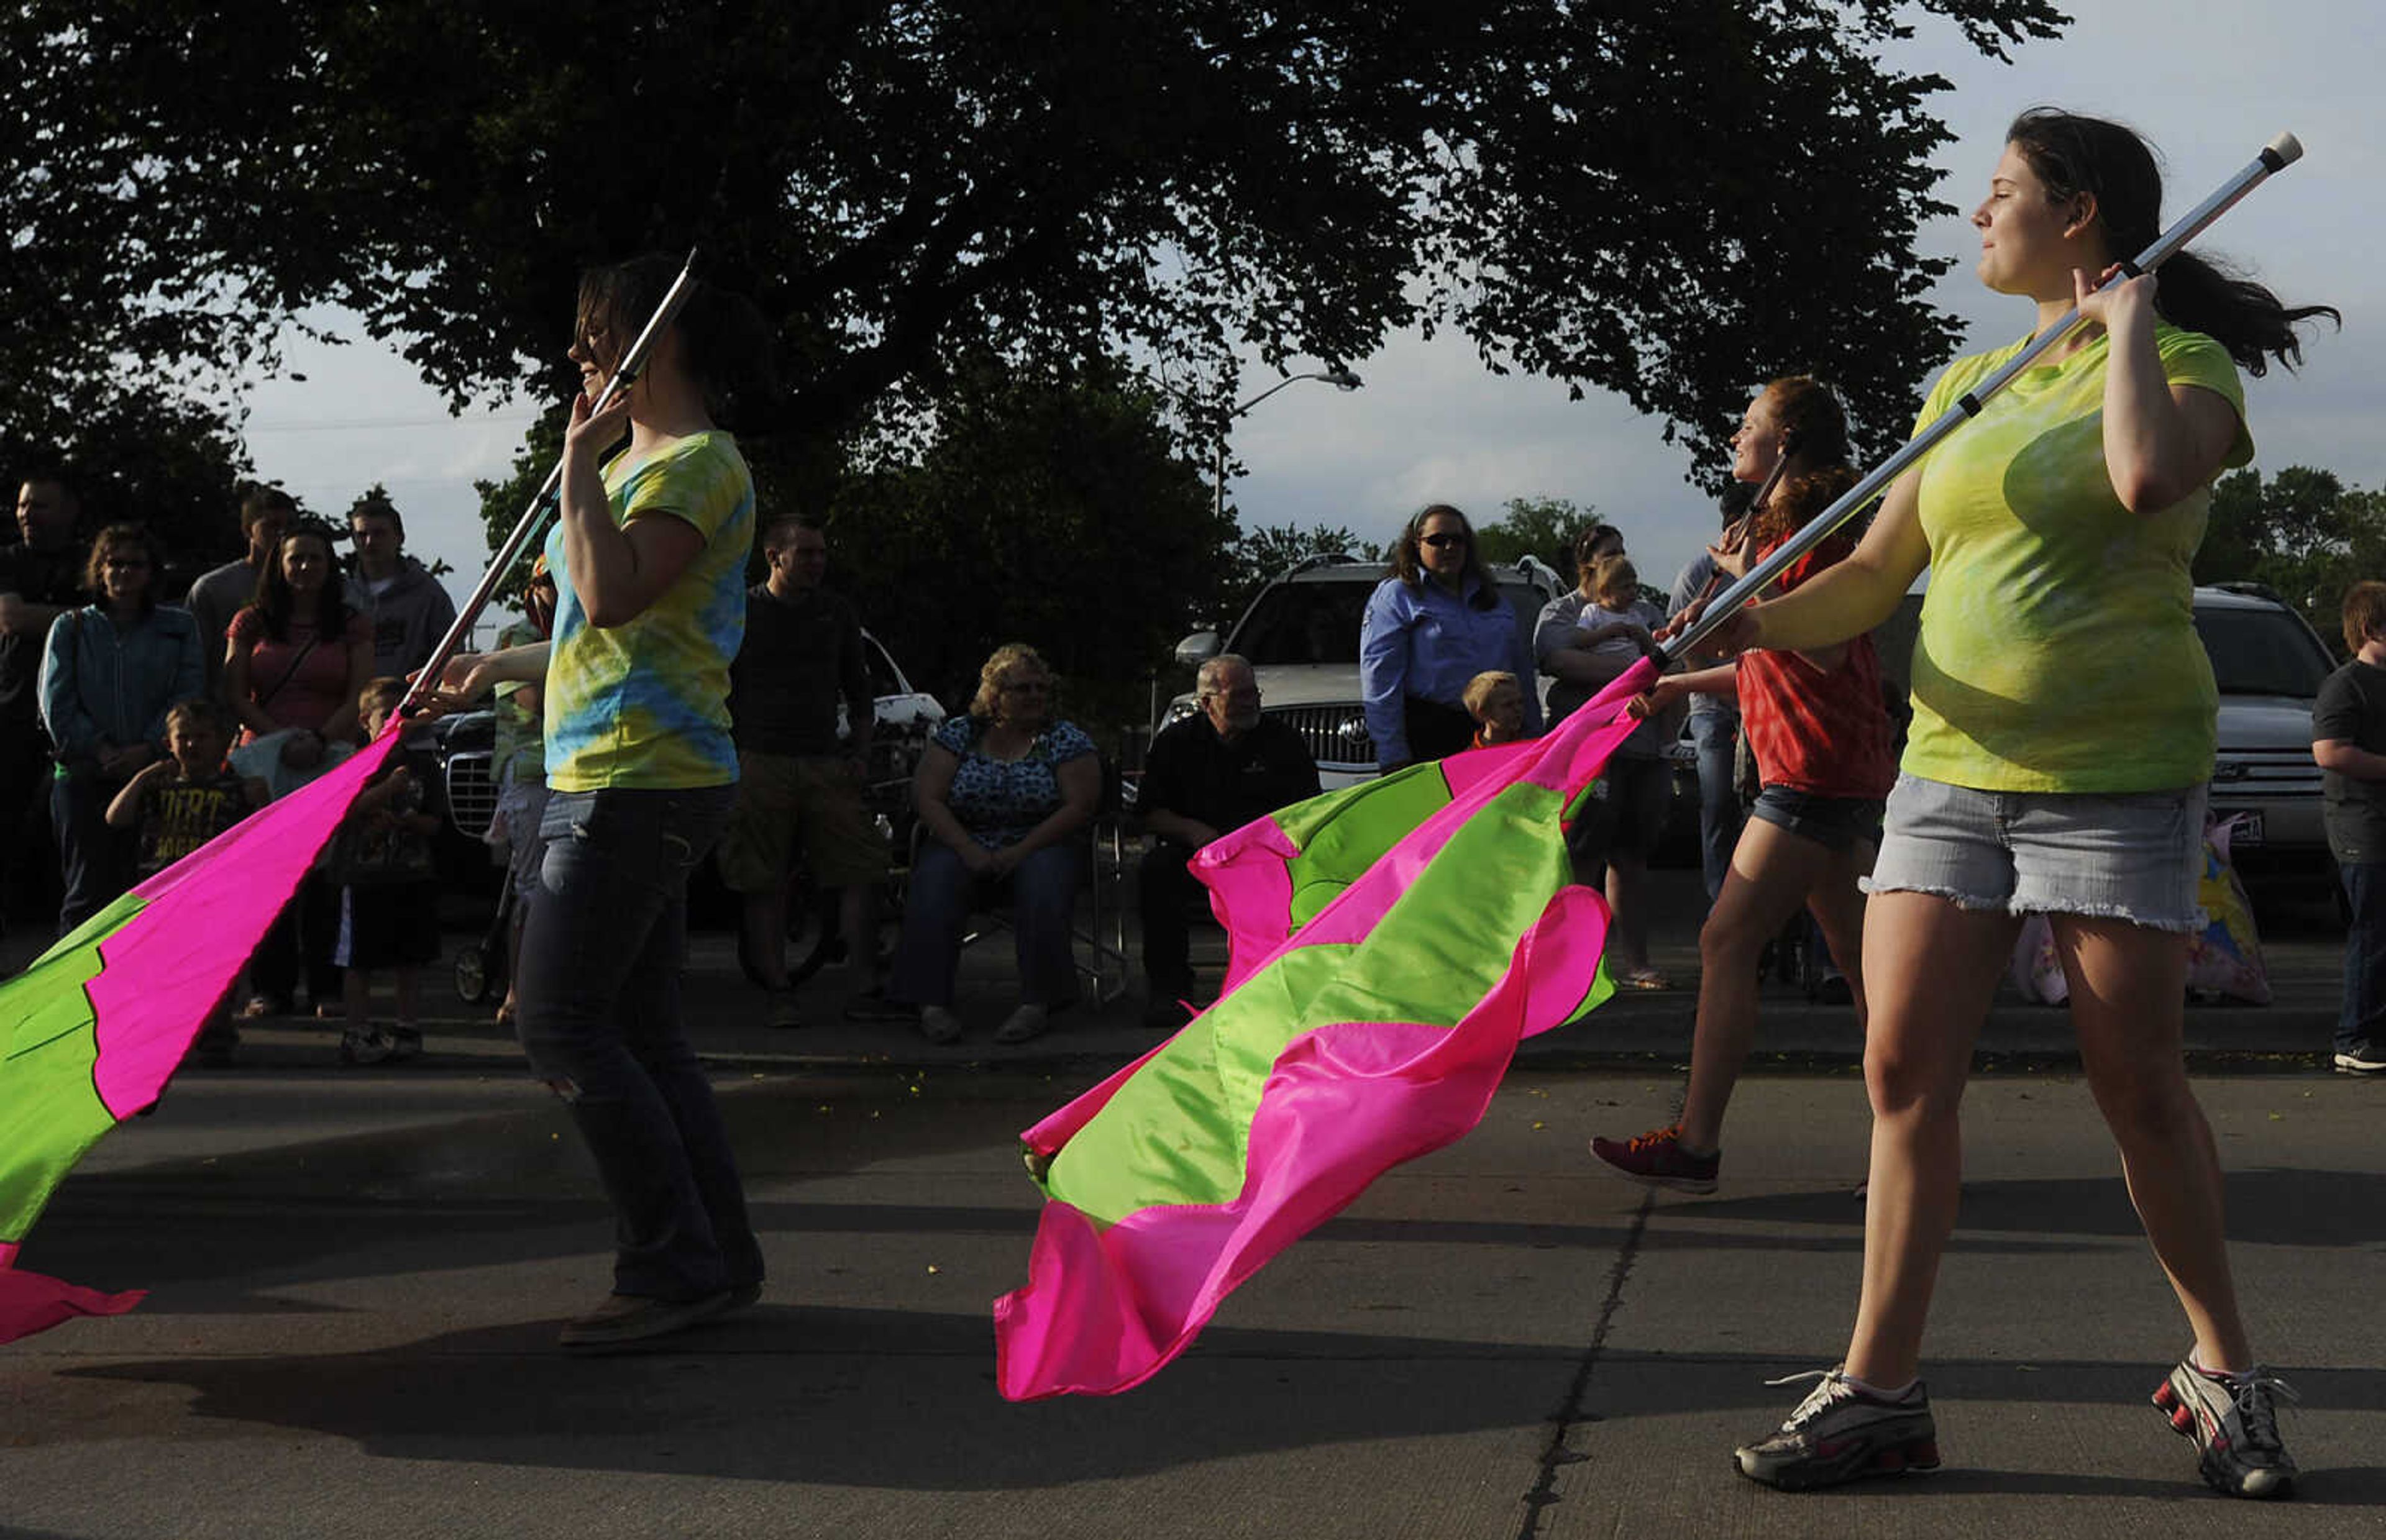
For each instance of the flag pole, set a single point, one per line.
(2277, 156)
(624, 375)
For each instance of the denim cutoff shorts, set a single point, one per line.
(2133, 856)
(1834, 823)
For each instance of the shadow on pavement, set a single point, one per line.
(865, 1398)
(903, 1400)
(2267, 1206)
(505, 1187)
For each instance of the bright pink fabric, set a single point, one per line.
(1104, 1309)
(31, 1302)
(164, 969)
(1249, 876)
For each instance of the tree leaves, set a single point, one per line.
(2302, 533)
(1672, 201)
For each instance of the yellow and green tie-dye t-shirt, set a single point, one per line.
(646, 703)
(2058, 650)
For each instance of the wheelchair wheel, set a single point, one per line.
(473, 974)
(812, 915)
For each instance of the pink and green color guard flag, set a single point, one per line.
(1391, 944)
(90, 1032)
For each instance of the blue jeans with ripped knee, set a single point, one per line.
(603, 948)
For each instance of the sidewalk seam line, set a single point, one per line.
(1569, 1415)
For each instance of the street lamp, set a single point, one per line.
(1337, 377)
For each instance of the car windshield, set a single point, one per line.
(1318, 622)
(2261, 652)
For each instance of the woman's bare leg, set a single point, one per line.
(1772, 872)
(1930, 968)
(2128, 988)
(1837, 906)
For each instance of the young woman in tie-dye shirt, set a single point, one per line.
(648, 556)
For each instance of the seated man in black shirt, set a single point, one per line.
(1206, 776)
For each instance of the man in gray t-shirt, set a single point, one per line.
(218, 595)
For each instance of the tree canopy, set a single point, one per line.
(1670, 200)
(2302, 533)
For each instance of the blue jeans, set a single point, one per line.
(603, 947)
(2361, 1020)
(95, 860)
(1719, 815)
(1042, 894)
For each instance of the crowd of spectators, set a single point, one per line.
(140, 727)
(134, 728)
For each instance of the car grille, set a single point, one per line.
(472, 793)
(1333, 734)
(2241, 775)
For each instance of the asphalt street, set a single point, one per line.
(352, 1332)
(356, 1278)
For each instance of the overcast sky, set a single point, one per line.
(2208, 86)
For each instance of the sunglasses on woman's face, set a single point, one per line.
(1439, 540)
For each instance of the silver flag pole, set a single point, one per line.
(2277, 156)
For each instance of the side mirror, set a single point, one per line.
(1198, 649)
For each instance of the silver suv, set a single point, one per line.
(2269, 665)
(1301, 635)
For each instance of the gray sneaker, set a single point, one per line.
(2363, 1060)
(2233, 1421)
(1841, 1432)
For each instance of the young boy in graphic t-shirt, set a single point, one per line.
(177, 804)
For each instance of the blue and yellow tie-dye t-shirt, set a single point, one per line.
(646, 704)
(2058, 650)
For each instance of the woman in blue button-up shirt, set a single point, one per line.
(108, 674)
(1434, 624)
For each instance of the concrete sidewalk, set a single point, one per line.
(2303, 944)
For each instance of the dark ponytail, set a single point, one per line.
(724, 343)
(2073, 154)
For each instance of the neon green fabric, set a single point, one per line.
(1176, 1134)
(1335, 846)
(52, 1111)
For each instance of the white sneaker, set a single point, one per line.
(2233, 1421)
(939, 1024)
(1842, 1431)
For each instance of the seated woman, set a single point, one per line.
(1002, 793)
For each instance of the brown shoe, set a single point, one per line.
(624, 1319)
